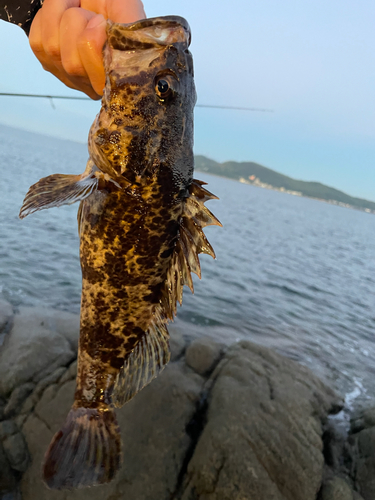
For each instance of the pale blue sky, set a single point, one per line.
(312, 62)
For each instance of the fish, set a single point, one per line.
(140, 222)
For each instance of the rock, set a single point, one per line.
(70, 373)
(31, 351)
(177, 343)
(202, 354)
(6, 315)
(16, 452)
(364, 420)
(251, 431)
(7, 478)
(336, 447)
(7, 428)
(55, 403)
(17, 398)
(36, 394)
(2, 408)
(153, 431)
(63, 322)
(336, 489)
(262, 438)
(357, 496)
(364, 443)
(19, 420)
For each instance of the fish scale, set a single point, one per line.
(140, 224)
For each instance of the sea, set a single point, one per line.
(291, 273)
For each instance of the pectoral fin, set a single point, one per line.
(58, 189)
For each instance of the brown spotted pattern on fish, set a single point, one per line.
(140, 224)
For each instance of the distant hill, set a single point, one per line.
(256, 174)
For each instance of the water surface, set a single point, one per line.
(291, 273)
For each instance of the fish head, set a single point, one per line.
(145, 125)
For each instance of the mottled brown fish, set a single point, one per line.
(140, 224)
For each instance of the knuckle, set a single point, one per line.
(70, 15)
(52, 50)
(36, 44)
(37, 48)
(73, 67)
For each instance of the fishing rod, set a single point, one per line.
(78, 98)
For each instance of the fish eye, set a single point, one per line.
(165, 86)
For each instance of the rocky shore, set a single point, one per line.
(222, 422)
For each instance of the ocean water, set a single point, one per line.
(291, 273)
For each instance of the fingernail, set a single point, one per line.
(95, 21)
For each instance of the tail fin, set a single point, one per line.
(85, 452)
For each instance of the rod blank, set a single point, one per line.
(78, 98)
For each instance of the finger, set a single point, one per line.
(73, 23)
(90, 47)
(74, 74)
(36, 44)
(125, 12)
(97, 6)
(35, 35)
(116, 10)
(52, 13)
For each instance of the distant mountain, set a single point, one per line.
(255, 174)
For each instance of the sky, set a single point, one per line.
(310, 62)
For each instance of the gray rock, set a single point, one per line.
(7, 478)
(364, 443)
(63, 322)
(20, 420)
(364, 420)
(2, 408)
(336, 446)
(16, 452)
(262, 438)
(70, 373)
(153, 431)
(55, 403)
(38, 391)
(255, 435)
(202, 354)
(17, 398)
(6, 315)
(357, 496)
(336, 489)
(7, 428)
(177, 343)
(30, 352)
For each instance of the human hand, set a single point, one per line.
(67, 37)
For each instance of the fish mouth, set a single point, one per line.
(149, 33)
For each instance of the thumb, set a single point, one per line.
(90, 47)
(120, 11)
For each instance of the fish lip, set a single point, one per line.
(163, 22)
(154, 21)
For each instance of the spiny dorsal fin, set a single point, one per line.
(151, 353)
(59, 189)
(144, 363)
(192, 241)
